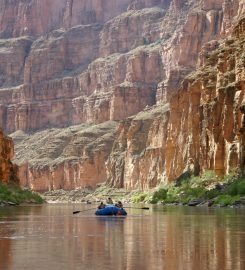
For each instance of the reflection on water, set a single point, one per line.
(51, 237)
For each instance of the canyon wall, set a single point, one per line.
(37, 17)
(138, 154)
(67, 158)
(70, 62)
(80, 61)
(8, 171)
(202, 129)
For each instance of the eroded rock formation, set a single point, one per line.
(68, 62)
(8, 171)
(202, 130)
(67, 158)
(35, 17)
(206, 120)
(144, 48)
(138, 155)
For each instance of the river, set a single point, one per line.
(51, 237)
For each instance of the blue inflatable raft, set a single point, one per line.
(111, 210)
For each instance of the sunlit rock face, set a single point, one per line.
(138, 154)
(8, 171)
(203, 128)
(64, 158)
(205, 21)
(37, 17)
(74, 62)
(80, 60)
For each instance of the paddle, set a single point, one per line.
(143, 208)
(76, 212)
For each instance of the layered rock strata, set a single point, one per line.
(149, 46)
(65, 158)
(202, 130)
(35, 17)
(138, 154)
(90, 64)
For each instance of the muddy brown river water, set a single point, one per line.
(173, 238)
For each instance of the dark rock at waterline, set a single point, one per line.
(195, 202)
(208, 203)
(5, 203)
(12, 203)
(239, 202)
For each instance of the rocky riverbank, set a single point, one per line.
(87, 195)
(11, 195)
(226, 194)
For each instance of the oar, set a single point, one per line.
(143, 208)
(76, 212)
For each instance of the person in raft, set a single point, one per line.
(101, 206)
(119, 204)
(109, 201)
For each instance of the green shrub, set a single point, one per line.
(232, 176)
(13, 193)
(225, 200)
(4, 190)
(210, 194)
(174, 195)
(204, 180)
(236, 188)
(140, 197)
(159, 195)
(197, 192)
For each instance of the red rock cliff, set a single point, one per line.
(8, 171)
(35, 17)
(205, 120)
(69, 62)
(203, 129)
(67, 158)
(90, 62)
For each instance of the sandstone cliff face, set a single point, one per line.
(24, 114)
(67, 158)
(93, 61)
(36, 17)
(138, 155)
(8, 171)
(203, 22)
(202, 130)
(149, 46)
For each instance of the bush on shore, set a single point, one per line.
(14, 194)
(229, 190)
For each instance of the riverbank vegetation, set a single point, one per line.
(12, 194)
(206, 189)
